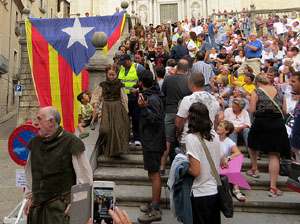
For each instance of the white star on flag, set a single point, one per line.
(77, 33)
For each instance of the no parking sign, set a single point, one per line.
(17, 143)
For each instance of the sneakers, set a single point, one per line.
(92, 125)
(84, 135)
(146, 208)
(137, 143)
(151, 215)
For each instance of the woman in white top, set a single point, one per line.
(240, 58)
(204, 191)
(213, 53)
(230, 151)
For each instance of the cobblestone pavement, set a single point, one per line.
(10, 195)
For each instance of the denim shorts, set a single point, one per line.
(87, 122)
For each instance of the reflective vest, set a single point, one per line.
(130, 79)
(178, 35)
(197, 43)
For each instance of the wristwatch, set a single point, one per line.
(228, 157)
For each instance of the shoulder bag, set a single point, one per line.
(224, 197)
(276, 105)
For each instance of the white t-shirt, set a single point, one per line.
(279, 27)
(191, 44)
(205, 184)
(238, 121)
(203, 97)
(226, 146)
(239, 59)
(197, 29)
(214, 56)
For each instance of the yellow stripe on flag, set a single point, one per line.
(105, 49)
(77, 88)
(54, 80)
(29, 41)
(123, 22)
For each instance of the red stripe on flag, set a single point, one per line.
(84, 79)
(66, 92)
(114, 37)
(40, 67)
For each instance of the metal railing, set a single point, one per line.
(253, 14)
(43, 7)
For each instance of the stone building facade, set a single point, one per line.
(10, 12)
(156, 11)
(10, 51)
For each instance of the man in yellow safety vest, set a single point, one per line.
(128, 76)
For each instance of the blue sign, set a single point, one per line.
(18, 90)
(17, 143)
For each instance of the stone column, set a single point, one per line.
(203, 8)
(213, 15)
(124, 6)
(133, 18)
(188, 10)
(97, 64)
(28, 102)
(252, 17)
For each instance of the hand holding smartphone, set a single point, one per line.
(103, 199)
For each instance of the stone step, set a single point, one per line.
(238, 217)
(128, 161)
(138, 176)
(256, 200)
(136, 161)
(138, 150)
(135, 149)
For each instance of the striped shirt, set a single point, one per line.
(205, 69)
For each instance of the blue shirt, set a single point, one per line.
(254, 54)
(211, 29)
(222, 39)
(176, 36)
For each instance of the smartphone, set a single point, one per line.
(103, 199)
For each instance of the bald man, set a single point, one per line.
(56, 161)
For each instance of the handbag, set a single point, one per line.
(224, 196)
(285, 167)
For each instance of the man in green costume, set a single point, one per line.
(56, 161)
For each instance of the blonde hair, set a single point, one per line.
(225, 80)
(262, 79)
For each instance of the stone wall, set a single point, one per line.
(7, 99)
(29, 104)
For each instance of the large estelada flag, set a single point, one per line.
(58, 51)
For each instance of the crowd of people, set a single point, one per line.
(241, 77)
(196, 83)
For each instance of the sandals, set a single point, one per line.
(253, 173)
(274, 192)
(238, 195)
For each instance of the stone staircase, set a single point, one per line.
(134, 189)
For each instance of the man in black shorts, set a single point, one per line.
(153, 138)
